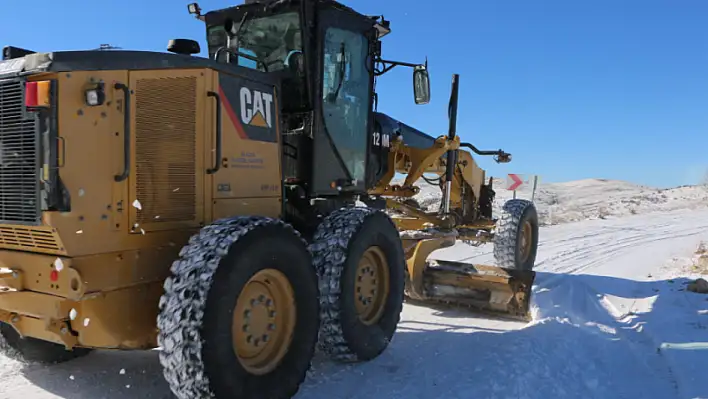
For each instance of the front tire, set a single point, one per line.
(516, 235)
(240, 313)
(360, 262)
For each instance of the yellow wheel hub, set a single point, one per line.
(525, 245)
(264, 321)
(371, 286)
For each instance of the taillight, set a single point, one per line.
(37, 94)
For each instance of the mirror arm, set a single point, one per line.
(388, 65)
(394, 63)
(386, 69)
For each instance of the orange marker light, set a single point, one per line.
(43, 93)
(37, 94)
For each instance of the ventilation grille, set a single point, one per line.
(23, 238)
(19, 184)
(165, 149)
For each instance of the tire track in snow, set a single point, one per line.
(602, 251)
(553, 246)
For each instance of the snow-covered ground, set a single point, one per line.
(612, 320)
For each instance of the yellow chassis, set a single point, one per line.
(115, 303)
(115, 296)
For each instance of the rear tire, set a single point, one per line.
(516, 235)
(213, 338)
(32, 350)
(360, 262)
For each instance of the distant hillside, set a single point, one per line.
(589, 199)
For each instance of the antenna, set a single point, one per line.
(104, 47)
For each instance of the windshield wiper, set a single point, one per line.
(332, 97)
(237, 34)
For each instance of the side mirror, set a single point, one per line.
(421, 85)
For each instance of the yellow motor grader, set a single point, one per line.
(211, 207)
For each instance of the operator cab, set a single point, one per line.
(269, 42)
(326, 57)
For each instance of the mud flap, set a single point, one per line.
(489, 289)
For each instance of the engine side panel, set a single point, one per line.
(169, 123)
(142, 211)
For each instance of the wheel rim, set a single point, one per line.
(264, 321)
(372, 285)
(526, 234)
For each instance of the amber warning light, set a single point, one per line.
(37, 94)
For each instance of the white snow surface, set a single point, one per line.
(612, 320)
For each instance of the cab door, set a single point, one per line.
(344, 114)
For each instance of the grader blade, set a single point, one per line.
(489, 289)
(503, 292)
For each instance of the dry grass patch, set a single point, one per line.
(700, 260)
(700, 265)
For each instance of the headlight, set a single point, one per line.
(95, 96)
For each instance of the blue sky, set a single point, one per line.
(573, 89)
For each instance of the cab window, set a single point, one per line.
(345, 96)
(272, 40)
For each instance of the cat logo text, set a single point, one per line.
(256, 108)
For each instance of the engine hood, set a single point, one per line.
(92, 60)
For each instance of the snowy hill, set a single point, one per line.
(589, 199)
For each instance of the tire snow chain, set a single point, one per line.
(329, 254)
(182, 306)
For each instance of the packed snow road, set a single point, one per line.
(606, 298)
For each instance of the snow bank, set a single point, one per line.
(676, 321)
(661, 325)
